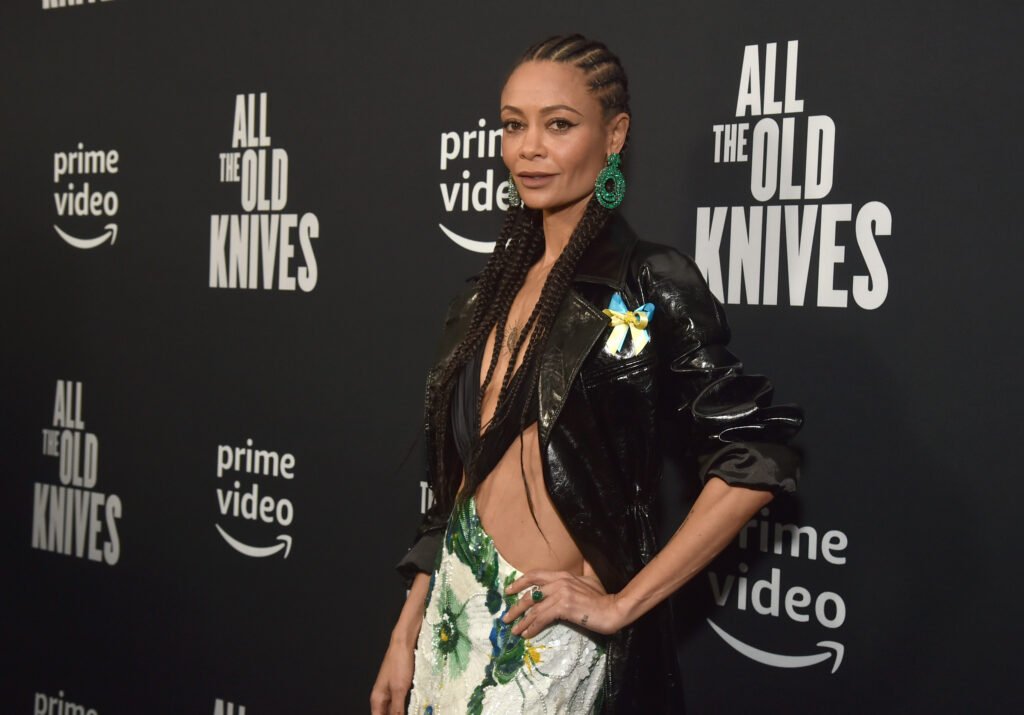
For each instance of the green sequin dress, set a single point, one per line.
(466, 658)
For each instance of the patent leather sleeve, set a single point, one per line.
(426, 544)
(738, 434)
(426, 547)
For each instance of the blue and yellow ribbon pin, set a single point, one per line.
(625, 321)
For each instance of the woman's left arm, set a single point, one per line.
(741, 445)
(717, 515)
(740, 436)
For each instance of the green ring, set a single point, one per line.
(537, 594)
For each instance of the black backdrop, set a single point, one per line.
(134, 592)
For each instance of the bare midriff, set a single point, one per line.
(501, 500)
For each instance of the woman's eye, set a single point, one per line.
(511, 125)
(561, 124)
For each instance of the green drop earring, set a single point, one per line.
(610, 197)
(513, 193)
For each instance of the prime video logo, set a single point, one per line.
(466, 154)
(85, 201)
(791, 603)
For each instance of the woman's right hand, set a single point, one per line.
(395, 677)
(394, 680)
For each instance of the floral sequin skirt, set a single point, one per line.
(468, 661)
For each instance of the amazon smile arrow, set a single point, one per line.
(257, 551)
(784, 661)
(110, 233)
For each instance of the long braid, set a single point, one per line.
(552, 295)
(530, 247)
(520, 244)
(509, 256)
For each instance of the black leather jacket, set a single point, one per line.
(600, 417)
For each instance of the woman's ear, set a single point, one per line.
(618, 126)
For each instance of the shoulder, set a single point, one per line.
(624, 254)
(661, 262)
(673, 282)
(463, 296)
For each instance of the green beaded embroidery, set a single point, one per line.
(464, 665)
(466, 539)
(451, 636)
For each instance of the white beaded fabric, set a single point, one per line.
(467, 661)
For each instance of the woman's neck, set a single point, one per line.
(558, 227)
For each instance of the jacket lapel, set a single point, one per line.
(578, 322)
(577, 327)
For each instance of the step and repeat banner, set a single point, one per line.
(231, 230)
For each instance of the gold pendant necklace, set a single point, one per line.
(511, 336)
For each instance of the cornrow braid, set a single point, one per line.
(605, 76)
(519, 246)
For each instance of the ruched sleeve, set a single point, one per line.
(736, 431)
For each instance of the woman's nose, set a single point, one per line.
(533, 141)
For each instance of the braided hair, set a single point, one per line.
(520, 244)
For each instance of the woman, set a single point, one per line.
(559, 603)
